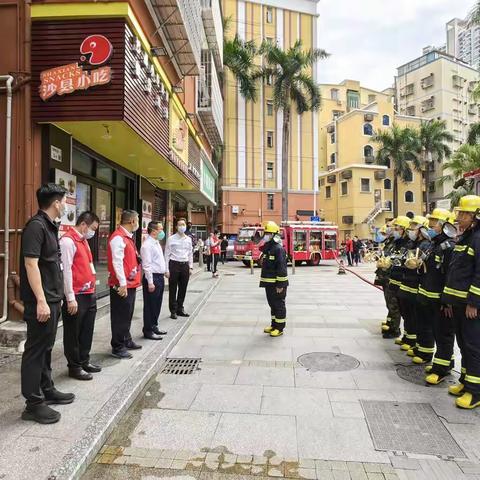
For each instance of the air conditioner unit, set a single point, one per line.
(235, 209)
(331, 179)
(346, 174)
(331, 167)
(368, 117)
(331, 129)
(347, 219)
(380, 175)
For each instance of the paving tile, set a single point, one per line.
(341, 475)
(178, 396)
(272, 376)
(405, 463)
(307, 473)
(335, 380)
(274, 472)
(163, 463)
(358, 475)
(347, 410)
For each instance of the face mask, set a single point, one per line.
(432, 233)
(90, 234)
(161, 235)
(397, 235)
(61, 210)
(267, 237)
(412, 235)
(135, 228)
(381, 237)
(181, 229)
(277, 238)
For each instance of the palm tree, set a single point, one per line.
(293, 85)
(433, 143)
(474, 15)
(474, 134)
(398, 148)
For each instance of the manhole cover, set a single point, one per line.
(408, 427)
(327, 362)
(181, 366)
(412, 373)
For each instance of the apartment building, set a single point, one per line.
(463, 41)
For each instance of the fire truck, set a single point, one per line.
(308, 242)
(475, 176)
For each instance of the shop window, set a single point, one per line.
(121, 181)
(300, 241)
(315, 241)
(365, 185)
(82, 163)
(104, 173)
(408, 196)
(269, 170)
(368, 129)
(84, 198)
(270, 202)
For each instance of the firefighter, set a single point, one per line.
(274, 278)
(461, 297)
(433, 327)
(407, 291)
(400, 241)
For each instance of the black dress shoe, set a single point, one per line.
(122, 354)
(91, 368)
(173, 316)
(183, 314)
(131, 345)
(41, 413)
(54, 397)
(153, 336)
(158, 332)
(79, 374)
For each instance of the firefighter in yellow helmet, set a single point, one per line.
(461, 296)
(274, 278)
(433, 327)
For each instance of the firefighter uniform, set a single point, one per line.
(462, 289)
(433, 326)
(273, 278)
(381, 274)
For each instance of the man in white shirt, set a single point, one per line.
(153, 265)
(179, 265)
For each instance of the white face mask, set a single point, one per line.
(90, 234)
(181, 228)
(267, 237)
(412, 235)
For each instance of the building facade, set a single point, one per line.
(114, 101)
(355, 192)
(251, 170)
(463, 41)
(438, 86)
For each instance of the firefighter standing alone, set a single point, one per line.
(274, 278)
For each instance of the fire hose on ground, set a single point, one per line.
(340, 263)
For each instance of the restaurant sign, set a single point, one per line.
(94, 50)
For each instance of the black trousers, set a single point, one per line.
(36, 370)
(407, 310)
(121, 314)
(152, 302)
(215, 257)
(444, 335)
(425, 313)
(278, 309)
(468, 338)
(78, 330)
(223, 257)
(350, 258)
(177, 285)
(209, 261)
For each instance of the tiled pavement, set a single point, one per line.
(253, 411)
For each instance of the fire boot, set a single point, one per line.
(468, 401)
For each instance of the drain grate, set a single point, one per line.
(408, 427)
(412, 373)
(327, 362)
(181, 366)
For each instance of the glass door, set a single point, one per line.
(103, 208)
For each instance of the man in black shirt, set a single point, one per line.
(41, 289)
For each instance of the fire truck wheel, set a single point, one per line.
(315, 260)
(298, 262)
(246, 263)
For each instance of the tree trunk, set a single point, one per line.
(427, 181)
(395, 194)
(286, 141)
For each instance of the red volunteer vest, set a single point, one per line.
(131, 267)
(82, 268)
(215, 249)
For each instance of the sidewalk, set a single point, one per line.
(256, 408)
(32, 451)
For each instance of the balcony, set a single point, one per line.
(213, 26)
(408, 90)
(210, 101)
(181, 28)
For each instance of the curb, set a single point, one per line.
(83, 451)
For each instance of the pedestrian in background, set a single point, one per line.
(208, 253)
(80, 304)
(349, 250)
(41, 290)
(179, 265)
(153, 265)
(124, 277)
(357, 247)
(223, 249)
(215, 252)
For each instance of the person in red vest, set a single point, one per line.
(349, 250)
(124, 277)
(80, 304)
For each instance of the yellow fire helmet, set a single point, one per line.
(468, 203)
(441, 214)
(401, 221)
(417, 221)
(271, 227)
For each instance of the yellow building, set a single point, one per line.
(355, 192)
(251, 177)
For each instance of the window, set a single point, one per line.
(353, 99)
(334, 94)
(386, 120)
(371, 98)
(269, 15)
(365, 185)
(387, 184)
(328, 191)
(269, 170)
(332, 138)
(270, 139)
(387, 163)
(333, 158)
(344, 188)
(408, 196)
(269, 108)
(408, 176)
(368, 129)
(367, 151)
(411, 110)
(300, 241)
(269, 80)
(270, 203)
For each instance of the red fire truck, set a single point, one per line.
(475, 176)
(308, 242)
